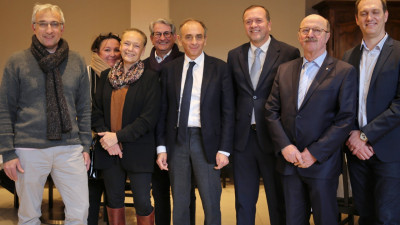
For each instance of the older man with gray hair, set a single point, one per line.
(163, 37)
(45, 120)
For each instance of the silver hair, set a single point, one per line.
(41, 7)
(162, 21)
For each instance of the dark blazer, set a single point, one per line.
(323, 121)
(139, 118)
(247, 98)
(383, 100)
(216, 106)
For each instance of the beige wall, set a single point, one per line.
(84, 21)
(143, 12)
(224, 20)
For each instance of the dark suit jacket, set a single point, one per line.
(139, 118)
(216, 106)
(323, 121)
(247, 98)
(383, 100)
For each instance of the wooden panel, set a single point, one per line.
(345, 33)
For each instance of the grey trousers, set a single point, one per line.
(184, 158)
(67, 169)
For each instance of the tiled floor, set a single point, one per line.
(8, 214)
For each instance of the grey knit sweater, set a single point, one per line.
(23, 120)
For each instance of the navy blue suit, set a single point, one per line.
(321, 124)
(253, 153)
(202, 144)
(376, 182)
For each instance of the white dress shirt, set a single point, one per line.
(367, 65)
(194, 110)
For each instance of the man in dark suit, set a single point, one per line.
(253, 151)
(310, 112)
(196, 124)
(163, 36)
(374, 164)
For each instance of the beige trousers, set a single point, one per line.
(67, 169)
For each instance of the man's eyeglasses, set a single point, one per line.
(167, 34)
(44, 25)
(316, 31)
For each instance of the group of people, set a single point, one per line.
(175, 119)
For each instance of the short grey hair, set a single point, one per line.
(41, 7)
(162, 21)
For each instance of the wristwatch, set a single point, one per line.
(363, 137)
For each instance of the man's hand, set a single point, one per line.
(108, 139)
(365, 152)
(221, 160)
(308, 159)
(86, 159)
(354, 143)
(11, 167)
(115, 150)
(162, 161)
(292, 154)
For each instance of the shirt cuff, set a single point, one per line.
(161, 149)
(222, 152)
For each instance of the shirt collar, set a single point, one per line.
(319, 60)
(162, 58)
(197, 60)
(263, 47)
(379, 46)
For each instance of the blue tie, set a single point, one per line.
(255, 68)
(185, 104)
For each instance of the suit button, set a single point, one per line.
(249, 114)
(175, 127)
(298, 117)
(254, 97)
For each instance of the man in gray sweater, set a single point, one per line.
(45, 120)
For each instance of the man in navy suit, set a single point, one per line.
(310, 113)
(195, 128)
(374, 164)
(253, 151)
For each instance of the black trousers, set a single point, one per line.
(248, 166)
(114, 181)
(96, 189)
(303, 193)
(376, 189)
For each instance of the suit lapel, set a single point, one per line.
(325, 69)
(178, 67)
(244, 63)
(355, 59)
(296, 79)
(385, 53)
(270, 59)
(207, 73)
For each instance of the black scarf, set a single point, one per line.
(58, 119)
(157, 66)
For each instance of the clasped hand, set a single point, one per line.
(300, 159)
(109, 142)
(359, 148)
